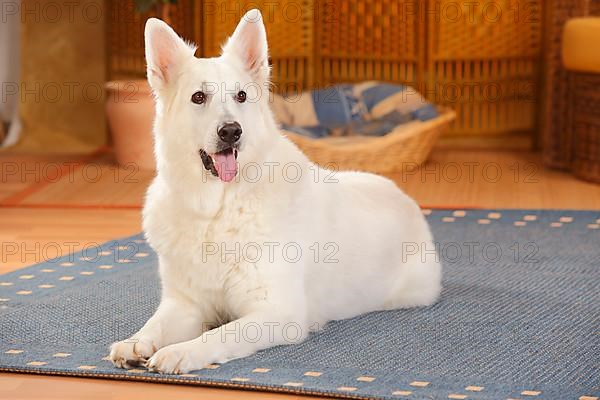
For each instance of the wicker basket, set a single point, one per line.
(556, 124)
(404, 147)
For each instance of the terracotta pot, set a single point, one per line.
(130, 113)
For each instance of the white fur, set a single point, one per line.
(217, 306)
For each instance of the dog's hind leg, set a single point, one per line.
(418, 281)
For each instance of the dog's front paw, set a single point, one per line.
(131, 352)
(178, 358)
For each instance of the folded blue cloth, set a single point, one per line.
(366, 109)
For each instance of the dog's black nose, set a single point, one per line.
(230, 132)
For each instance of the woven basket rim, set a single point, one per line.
(446, 115)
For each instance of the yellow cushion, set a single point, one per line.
(581, 45)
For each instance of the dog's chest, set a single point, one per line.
(209, 258)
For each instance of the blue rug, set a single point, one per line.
(519, 318)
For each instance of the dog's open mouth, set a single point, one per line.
(222, 164)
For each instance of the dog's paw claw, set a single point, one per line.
(172, 359)
(131, 353)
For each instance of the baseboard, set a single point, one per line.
(500, 142)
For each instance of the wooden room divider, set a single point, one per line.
(483, 61)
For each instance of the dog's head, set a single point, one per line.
(212, 113)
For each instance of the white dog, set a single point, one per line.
(257, 246)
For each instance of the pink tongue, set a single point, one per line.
(226, 165)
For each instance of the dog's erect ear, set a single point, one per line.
(164, 52)
(249, 45)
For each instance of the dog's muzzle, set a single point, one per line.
(223, 163)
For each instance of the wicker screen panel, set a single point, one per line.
(484, 61)
(125, 35)
(289, 25)
(364, 40)
(377, 28)
(486, 29)
(497, 97)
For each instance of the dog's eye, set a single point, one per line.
(241, 96)
(199, 98)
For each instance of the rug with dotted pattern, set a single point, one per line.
(519, 318)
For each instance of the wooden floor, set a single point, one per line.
(67, 202)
